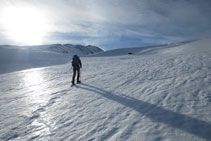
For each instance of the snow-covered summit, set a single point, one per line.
(74, 49)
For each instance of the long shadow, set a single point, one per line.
(188, 124)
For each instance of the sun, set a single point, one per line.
(24, 25)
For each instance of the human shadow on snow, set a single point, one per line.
(186, 123)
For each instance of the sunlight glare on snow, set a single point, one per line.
(33, 78)
(24, 25)
(34, 82)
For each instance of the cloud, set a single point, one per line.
(122, 23)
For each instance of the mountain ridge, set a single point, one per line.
(81, 50)
(16, 58)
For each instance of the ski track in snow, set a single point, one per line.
(152, 97)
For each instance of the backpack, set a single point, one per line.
(75, 60)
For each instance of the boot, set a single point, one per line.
(73, 83)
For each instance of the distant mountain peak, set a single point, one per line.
(74, 49)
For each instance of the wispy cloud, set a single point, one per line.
(122, 23)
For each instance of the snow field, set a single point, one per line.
(164, 95)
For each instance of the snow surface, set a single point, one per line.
(162, 94)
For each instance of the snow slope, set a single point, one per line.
(136, 50)
(16, 58)
(159, 95)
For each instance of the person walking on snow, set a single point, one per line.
(77, 65)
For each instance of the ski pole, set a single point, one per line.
(71, 68)
(80, 74)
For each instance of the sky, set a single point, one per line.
(108, 24)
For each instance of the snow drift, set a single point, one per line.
(155, 94)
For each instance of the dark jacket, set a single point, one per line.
(76, 63)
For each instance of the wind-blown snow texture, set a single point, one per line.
(152, 95)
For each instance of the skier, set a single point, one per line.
(76, 63)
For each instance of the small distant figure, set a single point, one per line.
(76, 63)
